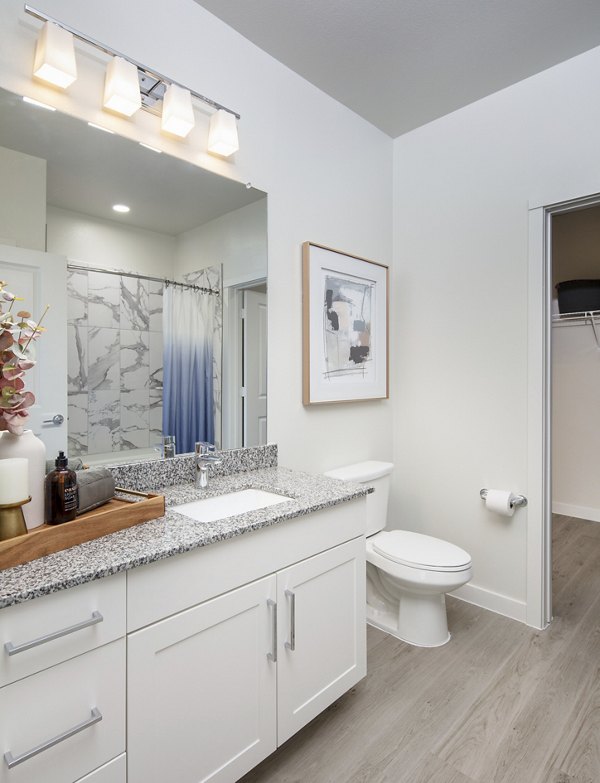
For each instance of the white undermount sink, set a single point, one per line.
(230, 505)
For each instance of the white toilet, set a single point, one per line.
(408, 574)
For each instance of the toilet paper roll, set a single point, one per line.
(498, 500)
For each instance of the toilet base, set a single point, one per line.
(418, 619)
(381, 626)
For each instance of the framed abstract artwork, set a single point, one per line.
(345, 327)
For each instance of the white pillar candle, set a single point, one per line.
(14, 480)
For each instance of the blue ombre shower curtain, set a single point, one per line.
(188, 329)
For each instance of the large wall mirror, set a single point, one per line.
(164, 305)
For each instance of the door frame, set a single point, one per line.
(539, 400)
(233, 301)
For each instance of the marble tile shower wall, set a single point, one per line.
(115, 362)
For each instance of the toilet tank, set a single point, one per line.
(377, 475)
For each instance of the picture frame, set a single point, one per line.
(345, 334)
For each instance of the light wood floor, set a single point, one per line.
(501, 703)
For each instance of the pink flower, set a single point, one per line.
(17, 336)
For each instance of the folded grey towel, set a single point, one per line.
(74, 464)
(95, 486)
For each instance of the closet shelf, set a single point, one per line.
(591, 317)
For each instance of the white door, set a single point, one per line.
(201, 690)
(255, 368)
(41, 279)
(322, 633)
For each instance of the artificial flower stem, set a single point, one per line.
(36, 328)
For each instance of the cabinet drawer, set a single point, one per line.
(48, 630)
(43, 711)
(113, 772)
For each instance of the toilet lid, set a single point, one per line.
(418, 551)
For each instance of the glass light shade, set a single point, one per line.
(54, 60)
(222, 133)
(177, 111)
(122, 88)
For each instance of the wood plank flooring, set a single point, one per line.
(501, 703)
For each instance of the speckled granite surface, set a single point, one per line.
(154, 475)
(174, 533)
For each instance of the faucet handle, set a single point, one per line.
(202, 447)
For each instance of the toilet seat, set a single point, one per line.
(415, 550)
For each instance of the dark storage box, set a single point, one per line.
(576, 296)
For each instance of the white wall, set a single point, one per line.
(327, 173)
(463, 185)
(22, 200)
(238, 240)
(106, 244)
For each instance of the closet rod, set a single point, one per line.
(163, 280)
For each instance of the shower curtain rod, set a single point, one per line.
(164, 280)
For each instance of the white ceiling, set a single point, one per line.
(88, 171)
(402, 63)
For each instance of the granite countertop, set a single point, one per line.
(174, 534)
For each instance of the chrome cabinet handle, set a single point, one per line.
(13, 649)
(272, 656)
(291, 645)
(12, 761)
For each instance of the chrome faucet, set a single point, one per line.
(205, 456)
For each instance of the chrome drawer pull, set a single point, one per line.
(12, 761)
(291, 645)
(13, 649)
(272, 656)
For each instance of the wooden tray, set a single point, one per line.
(117, 514)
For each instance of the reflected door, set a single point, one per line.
(255, 368)
(41, 279)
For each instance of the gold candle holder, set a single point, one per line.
(12, 520)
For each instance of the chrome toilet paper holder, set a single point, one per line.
(516, 501)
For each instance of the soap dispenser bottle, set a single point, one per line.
(61, 493)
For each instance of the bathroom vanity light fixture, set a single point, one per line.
(177, 112)
(54, 61)
(122, 88)
(222, 134)
(130, 86)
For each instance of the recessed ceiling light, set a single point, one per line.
(148, 147)
(120, 208)
(100, 127)
(39, 104)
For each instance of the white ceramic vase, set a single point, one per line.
(32, 448)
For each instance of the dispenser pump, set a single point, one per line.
(61, 461)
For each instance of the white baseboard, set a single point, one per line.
(580, 512)
(495, 602)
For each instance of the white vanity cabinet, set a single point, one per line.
(202, 691)
(62, 712)
(322, 633)
(215, 688)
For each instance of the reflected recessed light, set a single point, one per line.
(100, 127)
(148, 147)
(120, 208)
(39, 104)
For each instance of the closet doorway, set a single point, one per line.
(574, 248)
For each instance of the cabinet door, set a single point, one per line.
(201, 690)
(322, 633)
(113, 772)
